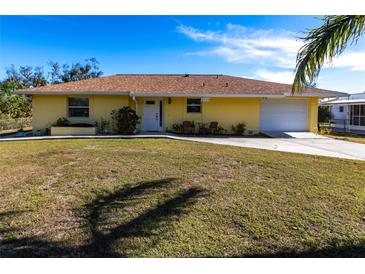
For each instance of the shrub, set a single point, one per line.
(62, 122)
(239, 129)
(324, 114)
(325, 131)
(125, 120)
(177, 128)
(104, 125)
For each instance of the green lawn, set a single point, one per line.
(165, 198)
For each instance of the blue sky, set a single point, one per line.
(260, 47)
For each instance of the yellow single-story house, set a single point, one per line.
(166, 99)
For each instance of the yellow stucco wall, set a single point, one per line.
(226, 111)
(102, 106)
(48, 108)
(313, 114)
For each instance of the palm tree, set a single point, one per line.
(325, 43)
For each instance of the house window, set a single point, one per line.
(357, 115)
(193, 105)
(341, 109)
(78, 107)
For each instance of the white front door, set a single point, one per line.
(284, 115)
(151, 117)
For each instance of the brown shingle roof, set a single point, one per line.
(176, 84)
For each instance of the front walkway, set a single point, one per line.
(313, 146)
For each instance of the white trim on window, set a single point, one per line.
(193, 105)
(72, 107)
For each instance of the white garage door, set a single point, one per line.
(284, 115)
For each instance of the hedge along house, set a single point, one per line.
(163, 100)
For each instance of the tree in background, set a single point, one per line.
(76, 72)
(17, 106)
(79, 71)
(54, 75)
(25, 77)
(324, 114)
(12, 105)
(325, 43)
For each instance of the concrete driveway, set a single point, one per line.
(314, 146)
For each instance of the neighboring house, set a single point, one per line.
(348, 112)
(163, 100)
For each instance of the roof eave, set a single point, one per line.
(167, 94)
(37, 92)
(344, 102)
(175, 94)
(319, 94)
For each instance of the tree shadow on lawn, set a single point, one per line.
(6, 215)
(103, 242)
(336, 249)
(110, 228)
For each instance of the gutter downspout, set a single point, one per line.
(135, 101)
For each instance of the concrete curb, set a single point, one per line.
(34, 138)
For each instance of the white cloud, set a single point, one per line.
(285, 77)
(352, 60)
(247, 77)
(264, 47)
(233, 55)
(238, 44)
(195, 34)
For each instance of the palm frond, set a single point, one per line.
(325, 43)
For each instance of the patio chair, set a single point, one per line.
(188, 127)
